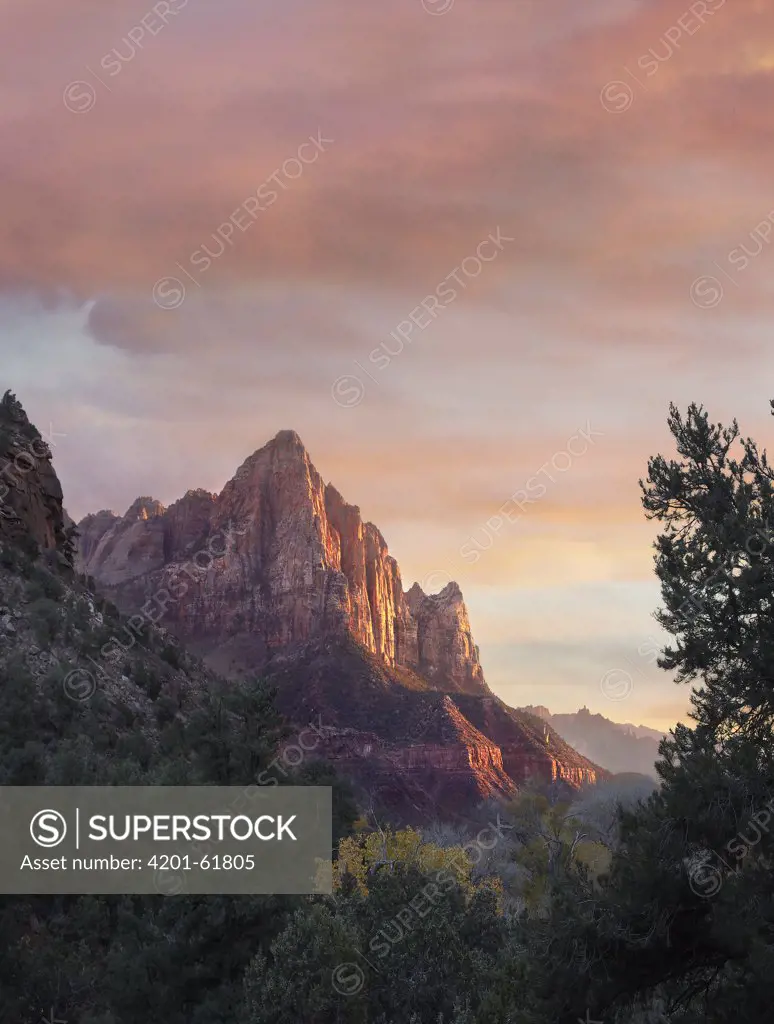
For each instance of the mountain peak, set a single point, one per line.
(287, 439)
(303, 565)
(451, 592)
(144, 507)
(286, 446)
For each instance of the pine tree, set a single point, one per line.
(687, 913)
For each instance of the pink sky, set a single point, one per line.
(623, 147)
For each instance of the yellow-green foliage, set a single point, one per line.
(556, 843)
(595, 856)
(358, 854)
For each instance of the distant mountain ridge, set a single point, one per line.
(616, 746)
(278, 574)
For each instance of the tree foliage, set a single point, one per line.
(686, 913)
(663, 910)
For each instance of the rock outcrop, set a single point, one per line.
(277, 559)
(279, 574)
(617, 746)
(31, 511)
(55, 631)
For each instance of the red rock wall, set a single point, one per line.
(30, 492)
(299, 562)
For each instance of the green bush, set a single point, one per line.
(44, 584)
(171, 655)
(10, 558)
(30, 549)
(147, 677)
(46, 620)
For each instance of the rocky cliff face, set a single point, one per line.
(31, 512)
(616, 746)
(56, 635)
(277, 559)
(279, 574)
(418, 753)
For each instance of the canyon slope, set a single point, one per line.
(617, 746)
(51, 629)
(279, 575)
(31, 511)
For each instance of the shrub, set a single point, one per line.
(147, 677)
(45, 619)
(171, 655)
(44, 584)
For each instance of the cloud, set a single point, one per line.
(443, 130)
(117, 197)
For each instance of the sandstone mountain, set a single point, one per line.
(300, 563)
(31, 511)
(617, 746)
(278, 574)
(54, 633)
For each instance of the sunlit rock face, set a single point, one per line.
(279, 574)
(278, 558)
